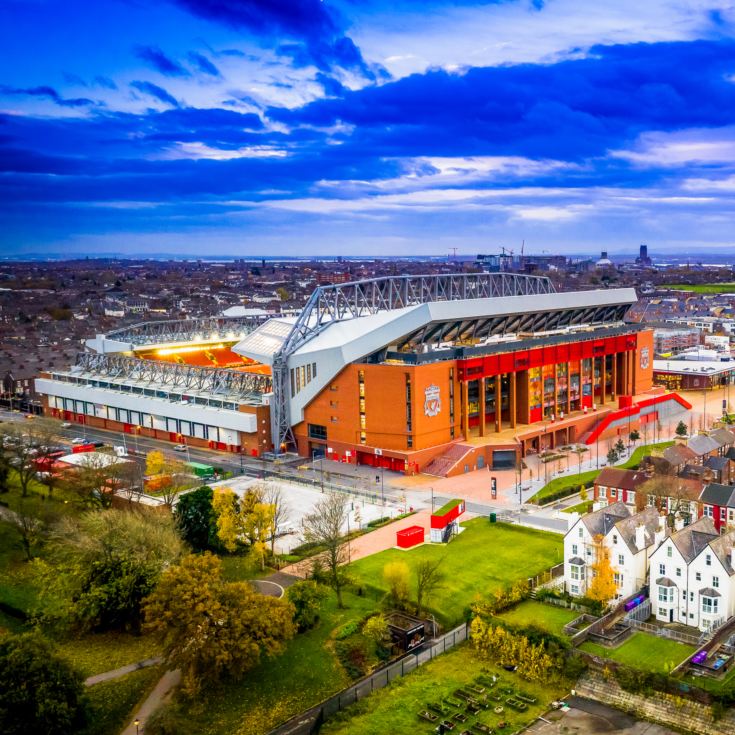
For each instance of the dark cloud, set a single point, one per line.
(153, 90)
(49, 93)
(314, 29)
(156, 59)
(331, 86)
(203, 64)
(105, 82)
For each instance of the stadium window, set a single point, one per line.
(363, 437)
(317, 431)
(313, 370)
(308, 373)
(293, 385)
(409, 441)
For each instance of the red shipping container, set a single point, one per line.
(408, 537)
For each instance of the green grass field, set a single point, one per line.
(99, 652)
(18, 586)
(702, 287)
(643, 651)
(483, 558)
(395, 708)
(277, 689)
(548, 617)
(584, 507)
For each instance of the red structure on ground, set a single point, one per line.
(409, 537)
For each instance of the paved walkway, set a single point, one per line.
(159, 696)
(117, 673)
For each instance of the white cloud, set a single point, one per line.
(692, 146)
(196, 150)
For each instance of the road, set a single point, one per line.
(358, 481)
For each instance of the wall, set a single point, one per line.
(666, 709)
(643, 369)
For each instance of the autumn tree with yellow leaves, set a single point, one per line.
(602, 587)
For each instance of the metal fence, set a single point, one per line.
(309, 722)
(657, 630)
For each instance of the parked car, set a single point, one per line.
(66, 425)
(78, 440)
(179, 447)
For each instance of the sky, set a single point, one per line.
(366, 127)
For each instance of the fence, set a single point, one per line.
(309, 722)
(657, 630)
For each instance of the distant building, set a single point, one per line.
(667, 342)
(604, 261)
(643, 258)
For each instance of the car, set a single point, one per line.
(78, 440)
(179, 447)
(66, 425)
(30, 416)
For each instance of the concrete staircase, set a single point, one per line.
(442, 465)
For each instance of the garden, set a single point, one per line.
(460, 688)
(645, 652)
(549, 618)
(483, 558)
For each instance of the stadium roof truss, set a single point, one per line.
(185, 330)
(480, 329)
(330, 304)
(215, 381)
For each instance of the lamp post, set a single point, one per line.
(136, 722)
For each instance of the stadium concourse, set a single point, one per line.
(441, 374)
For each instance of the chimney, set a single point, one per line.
(678, 522)
(640, 537)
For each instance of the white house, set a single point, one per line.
(629, 539)
(692, 576)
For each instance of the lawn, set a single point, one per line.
(18, 587)
(702, 287)
(395, 708)
(549, 617)
(113, 703)
(483, 558)
(277, 689)
(98, 652)
(584, 507)
(638, 454)
(643, 651)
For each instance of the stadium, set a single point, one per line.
(440, 374)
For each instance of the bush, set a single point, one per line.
(306, 597)
(347, 630)
(354, 656)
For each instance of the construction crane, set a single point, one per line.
(453, 254)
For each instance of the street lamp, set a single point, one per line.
(136, 722)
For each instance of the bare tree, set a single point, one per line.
(428, 579)
(273, 496)
(667, 492)
(324, 527)
(30, 529)
(98, 478)
(25, 445)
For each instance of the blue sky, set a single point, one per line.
(365, 127)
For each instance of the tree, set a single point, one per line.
(376, 629)
(227, 516)
(211, 629)
(98, 478)
(667, 493)
(280, 511)
(259, 528)
(428, 579)
(681, 429)
(395, 575)
(196, 519)
(612, 455)
(306, 596)
(620, 446)
(25, 445)
(30, 529)
(101, 565)
(324, 527)
(583, 495)
(602, 587)
(634, 435)
(173, 478)
(155, 461)
(39, 691)
(283, 294)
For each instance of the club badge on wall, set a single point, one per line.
(432, 400)
(645, 358)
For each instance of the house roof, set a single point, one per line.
(649, 518)
(722, 548)
(623, 479)
(723, 437)
(702, 444)
(665, 582)
(716, 463)
(716, 494)
(710, 592)
(679, 454)
(692, 539)
(600, 522)
(577, 561)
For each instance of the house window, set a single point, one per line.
(723, 513)
(575, 589)
(574, 549)
(581, 532)
(662, 569)
(621, 560)
(709, 605)
(715, 581)
(575, 571)
(678, 571)
(699, 576)
(665, 594)
(684, 595)
(615, 538)
(708, 560)
(618, 579)
(613, 493)
(668, 552)
(708, 511)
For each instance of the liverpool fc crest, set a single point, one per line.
(432, 400)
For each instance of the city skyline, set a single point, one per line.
(247, 128)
